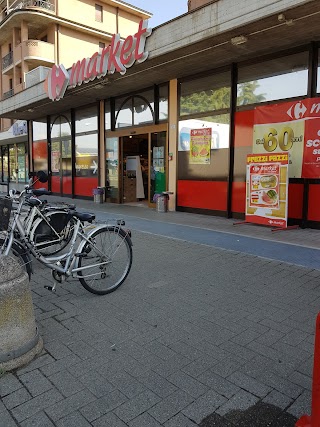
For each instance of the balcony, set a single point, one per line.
(7, 60)
(8, 94)
(41, 4)
(36, 76)
(37, 52)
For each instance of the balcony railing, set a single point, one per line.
(36, 76)
(8, 94)
(43, 4)
(7, 60)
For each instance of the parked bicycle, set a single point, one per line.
(99, 255)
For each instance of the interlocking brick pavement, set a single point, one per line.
(197, 335)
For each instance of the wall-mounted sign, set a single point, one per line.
(200, 146)
(116, 57)
(20, 128)
(267, 189)
(294, 128)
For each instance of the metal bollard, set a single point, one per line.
(19, 338)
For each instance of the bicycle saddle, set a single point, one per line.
(84, 216)
(41, 192)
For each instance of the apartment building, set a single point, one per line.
(35, 35)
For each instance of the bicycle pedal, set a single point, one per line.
(50, 288)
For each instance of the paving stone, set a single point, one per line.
(170, 406)
(144, 420)
(66, 383)
(60, 365)
(101, 406)
(204, 406)
(124, 382)
(188, 384)
(57, 349)
(73, 420)
(98, 385)
(157, 384)
(16, 398)
(70, 404)
(38, 420)
(109, 420)
(249, 384)
(277, 399)
(219, 384)
(136, 406)
(8, 384)
(37, 404)
(180, 420)
(239, 402)
(35, 382)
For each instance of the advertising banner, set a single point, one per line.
(267, 189)
(200, 146)
(292, 127)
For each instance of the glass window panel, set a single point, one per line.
(112, 165)
(280, 78)
(87, 155)
(39, 129)
(22, 163)
(107, 116)
(205, 94)
(40, 155)
(87, 120)
(163, 103)
(13, 163)
(142, 111)
(60, 127)
(220, 128)
(219, 156)
(5, 163)
(124, 116)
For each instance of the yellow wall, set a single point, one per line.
(76, 46)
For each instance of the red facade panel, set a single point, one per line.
(210, 195)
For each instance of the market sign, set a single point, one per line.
(267, 189)
(294, 128)
(116, 57)
(200, 146)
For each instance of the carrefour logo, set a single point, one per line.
(118, 56)
(297, 111)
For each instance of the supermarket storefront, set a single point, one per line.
(152, 111)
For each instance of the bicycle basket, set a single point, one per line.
(5, 211)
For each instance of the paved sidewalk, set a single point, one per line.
(198, 335)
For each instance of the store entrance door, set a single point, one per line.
(136, 164)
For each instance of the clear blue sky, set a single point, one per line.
(162, 10)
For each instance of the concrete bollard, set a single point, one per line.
(19, 338)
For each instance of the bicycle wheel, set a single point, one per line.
(19, 254)
(105, 260)
(53, 236)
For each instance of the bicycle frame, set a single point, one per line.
(69, 258)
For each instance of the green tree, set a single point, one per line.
(246, 93)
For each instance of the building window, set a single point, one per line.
(99, 17)
(86, 139)
(101, 46)
(279, 78)
(135, 110)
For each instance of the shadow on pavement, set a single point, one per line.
(259, 415)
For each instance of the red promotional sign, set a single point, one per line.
(292, 127)
(267, 189)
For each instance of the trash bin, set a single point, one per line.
(98, 194)
(162, 201)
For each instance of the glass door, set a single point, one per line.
(61, 166)
(157, 165)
